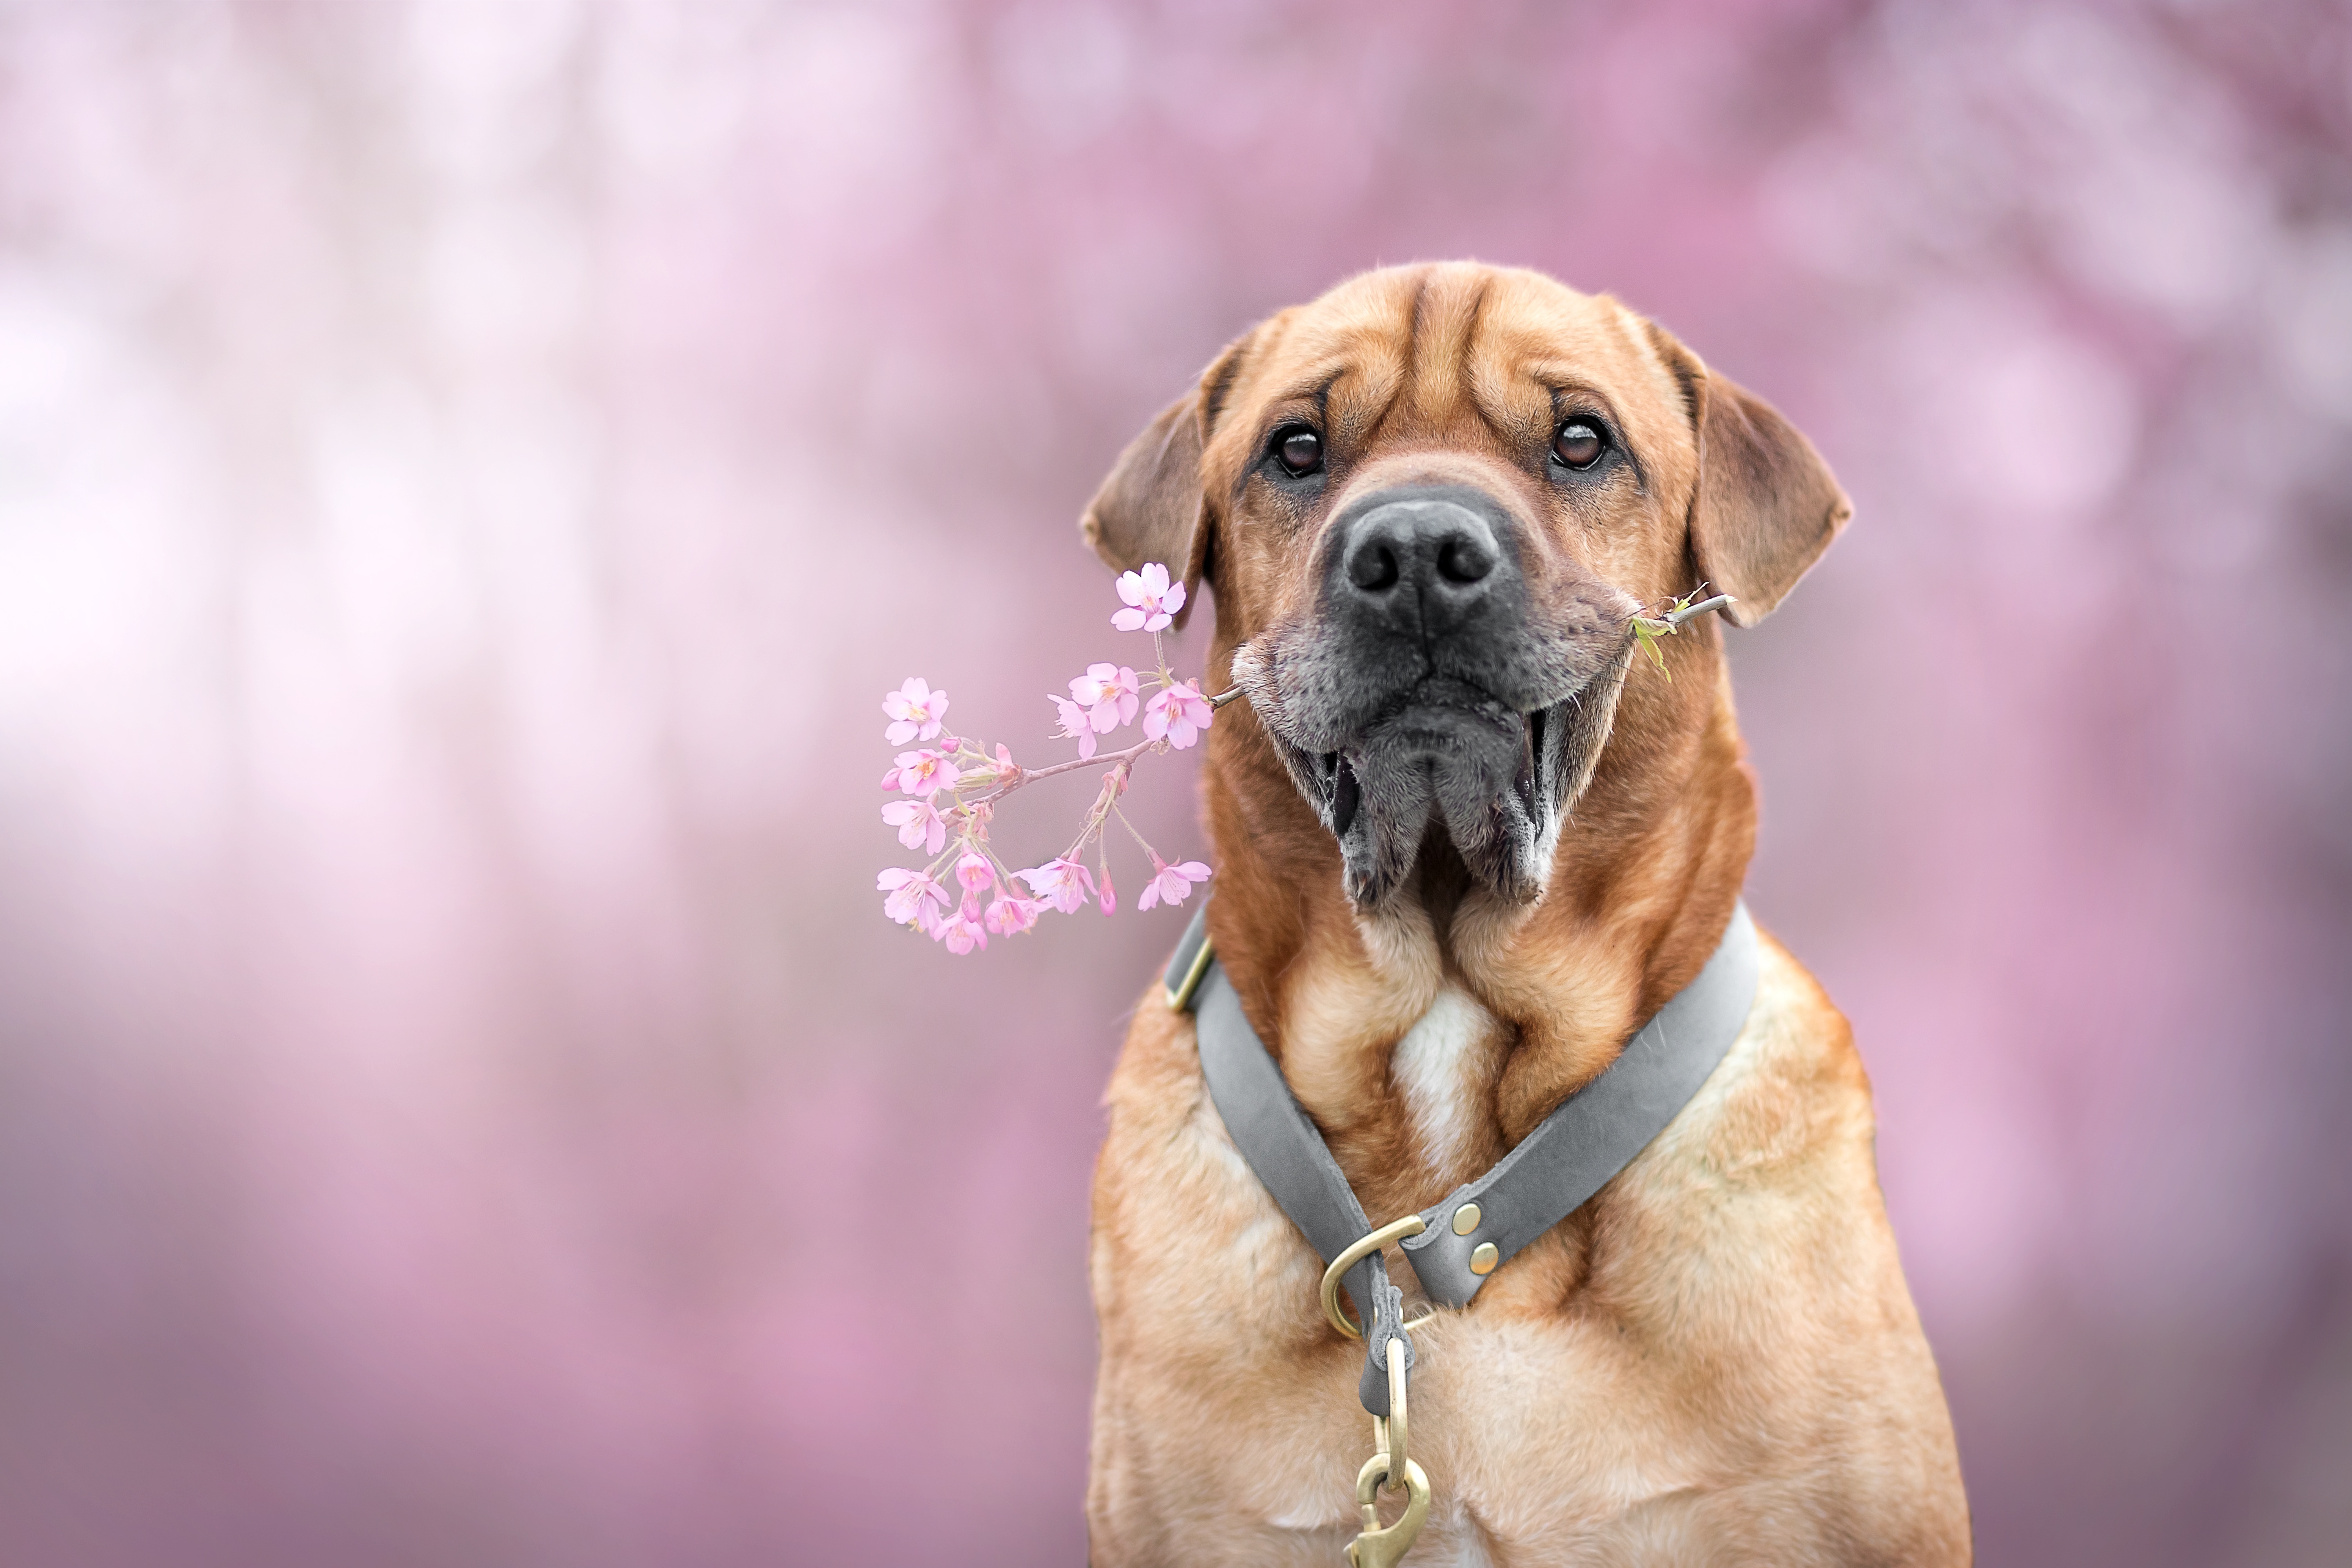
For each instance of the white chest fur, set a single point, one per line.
(1445, 1066)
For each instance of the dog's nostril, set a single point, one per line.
(1462, 560)
(1373, 568)
(1406, 558)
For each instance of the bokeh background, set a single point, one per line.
(469, 468)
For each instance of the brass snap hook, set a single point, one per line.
(1377, 1548)
(1386, 1470)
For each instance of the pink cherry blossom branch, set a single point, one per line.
(1031, 775)
(949, 791)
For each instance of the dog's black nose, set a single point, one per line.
(1422, 560)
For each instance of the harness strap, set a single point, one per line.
(1291, 1160)
(1596, 1132)
(1571, 1154)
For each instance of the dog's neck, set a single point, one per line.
(1427, 1037)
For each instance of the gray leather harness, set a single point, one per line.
(1478, 1226)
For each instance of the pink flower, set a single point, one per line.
(1171, 884)
(915, 711)
(1152, 598)
(1010, 916)
(920, 825)
(1060, 882)
(961, 934)
(921, 772)
(975, 873)
(1075, 724)
(913, 895)
(1109, 691)
(1109, 899)
(1179, 712)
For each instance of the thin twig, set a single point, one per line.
(1031, 775)
(1648, 629)
(1692, 612)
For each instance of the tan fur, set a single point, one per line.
(1715, 1360)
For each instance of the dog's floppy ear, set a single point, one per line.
(1766, 505)
(1151, 507)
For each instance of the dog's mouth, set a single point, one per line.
(1440, 753)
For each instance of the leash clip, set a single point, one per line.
(1391, 1466)
(1375, 1547)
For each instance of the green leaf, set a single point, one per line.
(1646, 633)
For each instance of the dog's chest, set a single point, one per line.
(1444, 1067)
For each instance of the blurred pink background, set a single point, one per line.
(468, 472)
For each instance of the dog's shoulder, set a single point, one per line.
(1772, 1160)
(1158, 1077)
(1792, 1089)
(1748, 1250)
(1167, 1153)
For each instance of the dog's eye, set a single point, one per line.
(1301, 451)
(1578, 444)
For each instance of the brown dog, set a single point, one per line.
(1465, 848)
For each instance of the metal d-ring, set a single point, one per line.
(1395, 1230)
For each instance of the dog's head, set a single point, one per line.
(1431, 503)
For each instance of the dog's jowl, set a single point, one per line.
(1469, 841)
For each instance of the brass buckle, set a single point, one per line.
(1180, 996)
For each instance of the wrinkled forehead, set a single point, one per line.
(1417, 354)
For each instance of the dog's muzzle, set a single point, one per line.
(1431, 681)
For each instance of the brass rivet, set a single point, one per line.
(1484, 1257)
(1466, 1218)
